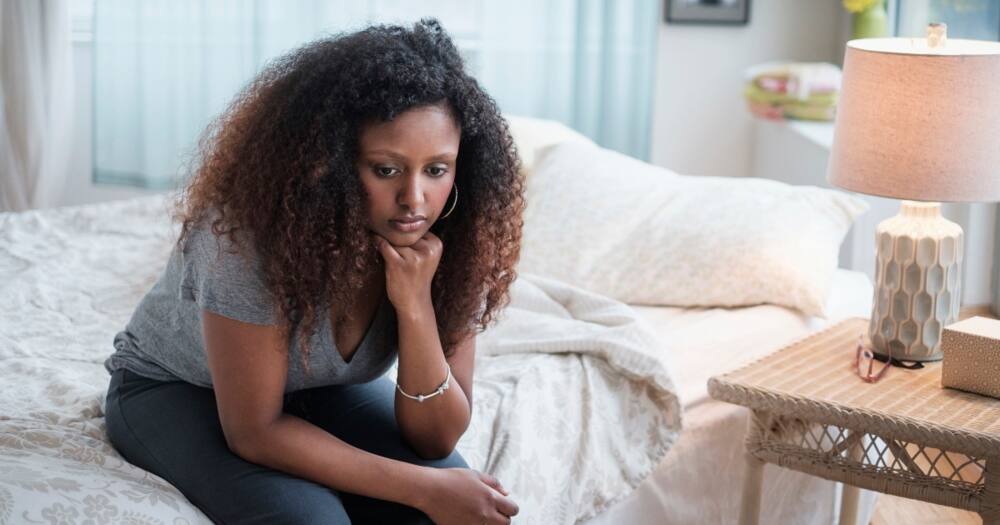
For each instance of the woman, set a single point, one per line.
(358, 203)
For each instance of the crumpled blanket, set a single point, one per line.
(572, 411)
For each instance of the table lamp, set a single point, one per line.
(919, 120)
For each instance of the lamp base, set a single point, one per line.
(918, 280)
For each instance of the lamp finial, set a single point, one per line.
(937, 34)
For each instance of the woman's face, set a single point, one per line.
(407, 167)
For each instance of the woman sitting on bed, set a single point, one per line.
(358, 202)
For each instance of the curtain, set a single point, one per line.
(164, 68)
(36, 102)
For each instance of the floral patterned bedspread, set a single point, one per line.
(572, 409)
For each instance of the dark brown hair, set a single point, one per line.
(279, 165)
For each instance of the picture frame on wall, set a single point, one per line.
(727, 12)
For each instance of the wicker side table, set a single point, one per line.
(904, 435)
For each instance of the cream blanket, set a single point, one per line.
(571, 411)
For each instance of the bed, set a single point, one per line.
(700, 479)
(589, 410)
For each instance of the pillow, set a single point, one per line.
(648, 236)
(532, 134)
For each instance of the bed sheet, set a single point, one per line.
(71, 277)
(700, 480)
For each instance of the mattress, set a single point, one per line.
(700, 480)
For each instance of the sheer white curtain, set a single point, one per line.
(36, 102)
(164, 68)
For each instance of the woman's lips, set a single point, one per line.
(407, 226)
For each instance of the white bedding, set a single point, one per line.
(699, 481)
(572, 409)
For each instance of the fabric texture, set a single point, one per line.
(645, 235)
(571, 409)
(163, 340)
(172, 429)
(593, 410)
(531, 135)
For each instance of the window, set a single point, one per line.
(972, 19)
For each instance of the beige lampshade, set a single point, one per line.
(919, 123)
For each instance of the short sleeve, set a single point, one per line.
(222, 279)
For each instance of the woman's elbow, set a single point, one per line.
(435, 452)
(247, 445)
(439, 447)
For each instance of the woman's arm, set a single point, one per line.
(249, 364)
(434, 426)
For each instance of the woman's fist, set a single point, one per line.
(409, 270)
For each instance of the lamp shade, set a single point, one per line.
(919, 123)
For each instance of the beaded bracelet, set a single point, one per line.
(421, 397)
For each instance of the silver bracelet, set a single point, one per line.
(421, 397)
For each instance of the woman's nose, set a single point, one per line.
(411, 194)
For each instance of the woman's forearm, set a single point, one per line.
(434, 426)
(298, 447)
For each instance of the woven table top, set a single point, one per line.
(813, 379)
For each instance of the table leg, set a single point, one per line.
(990, 520)
(850, 494)
(991, 492)
(750, 502)
(849, 505)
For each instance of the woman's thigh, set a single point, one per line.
(172, 429)
(363, 415)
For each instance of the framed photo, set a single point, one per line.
(732, 12)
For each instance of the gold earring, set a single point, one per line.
(454, 187)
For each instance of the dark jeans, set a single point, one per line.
(172, 429)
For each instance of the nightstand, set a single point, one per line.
(904, 435)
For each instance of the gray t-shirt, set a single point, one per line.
(163, 340)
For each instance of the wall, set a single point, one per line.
(700, 124)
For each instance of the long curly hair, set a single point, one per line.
(279, 165)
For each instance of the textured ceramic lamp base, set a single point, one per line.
(917, 282)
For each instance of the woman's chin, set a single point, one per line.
(402, 239)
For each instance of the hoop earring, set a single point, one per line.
(455, 202)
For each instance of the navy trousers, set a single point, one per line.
(172, 429)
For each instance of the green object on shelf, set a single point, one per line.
(816, 107)
(871, 22)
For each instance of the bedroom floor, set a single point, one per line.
(892, 510)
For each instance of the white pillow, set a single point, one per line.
(645, 235)
(531, 134)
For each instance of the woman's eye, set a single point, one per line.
(384, 171)
(437, 171)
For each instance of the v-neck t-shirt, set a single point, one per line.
(163, 340)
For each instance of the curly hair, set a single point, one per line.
(279, 164)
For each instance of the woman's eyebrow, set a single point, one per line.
(440, 157)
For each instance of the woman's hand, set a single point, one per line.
(409, 270)
(461, 496)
